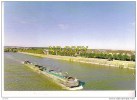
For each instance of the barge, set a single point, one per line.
(62, 79)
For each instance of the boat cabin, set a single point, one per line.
(27, 62)
(72, 82)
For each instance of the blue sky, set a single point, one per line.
(100, 25)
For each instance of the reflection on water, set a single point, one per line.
(94, 77)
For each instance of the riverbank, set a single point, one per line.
(104, 62)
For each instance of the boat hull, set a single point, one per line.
(57, 80)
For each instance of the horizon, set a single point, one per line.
(98, 25)
(69, 46)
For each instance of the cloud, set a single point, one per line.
(63, 26)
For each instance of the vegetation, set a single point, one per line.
(123, 57)
(78, 51)
(67, 50)
(10, 50)
(32, 50)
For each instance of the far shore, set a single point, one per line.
(105, 62)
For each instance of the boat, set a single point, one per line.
(63, 79)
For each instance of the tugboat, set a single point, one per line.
(63, 79)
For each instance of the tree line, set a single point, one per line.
(75, 51)
(67, 50)
(116, 56)
(10, 50)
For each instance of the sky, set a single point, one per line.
(98, 25)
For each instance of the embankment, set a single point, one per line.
(105, 62)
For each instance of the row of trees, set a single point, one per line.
(123, 57)
(29, 50)
(10, 50)
(82, 51)
(67, 50)
(75, 51)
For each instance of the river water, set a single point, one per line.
(18, 77)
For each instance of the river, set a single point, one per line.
(18, 77)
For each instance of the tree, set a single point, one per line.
(125, 57)
(110, 57)
(132, 57)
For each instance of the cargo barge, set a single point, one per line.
(62, 79)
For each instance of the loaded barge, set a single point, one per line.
(63, 79)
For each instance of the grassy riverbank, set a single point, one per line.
(105, 62)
